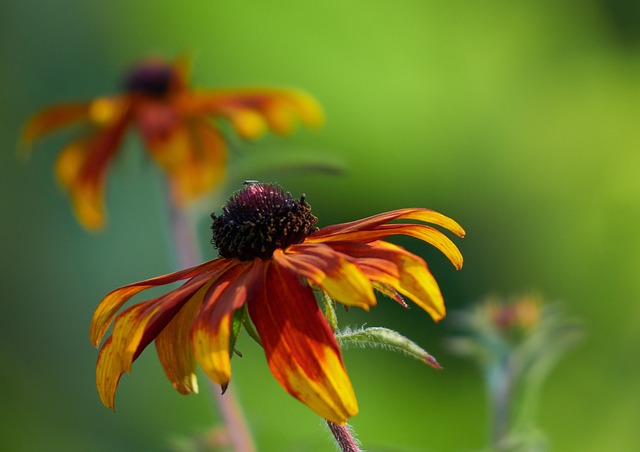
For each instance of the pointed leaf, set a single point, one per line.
(378, 337)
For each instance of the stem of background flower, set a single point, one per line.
(188, 255)
(343, 437)
(500, 381)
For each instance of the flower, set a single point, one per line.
(271, 258)
(174, 122)
(515, 342)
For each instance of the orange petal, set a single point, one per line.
(140, 324)
(134, 329)
(419, 231)
(106, 111)
(108, 373)
(174, 348)
(211, 330)
(88, 205)
(396, 267)
(207, 162)
(369, 223)
(81, 169)
(307, 107)
(301, 349)
(194, 155)
(248, 124)
(111, 304)
(429, 235)
(331, 271)
(280, 108)
(86, 196)
(51, 119)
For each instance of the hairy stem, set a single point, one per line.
(345, 440)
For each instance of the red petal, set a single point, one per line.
(301, 349)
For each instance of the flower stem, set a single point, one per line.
(345, 440)
(500, 381)
(236, 426)
(188, 255)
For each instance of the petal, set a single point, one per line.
(419, 231)
(81, 169)
(211, 330)
(106, 111)
(301, 349)
(135, 328)
(375, 228)
(278, 107)
(88, 206)
(140, 324)
(425, 215)
(194, 155)
(52, 118)
(207, 163)
(247, 123)
(111, 304)
(108, 373)
(174, 348)
(331, 271)
(156, 121)
(86, 196)
(396, 267)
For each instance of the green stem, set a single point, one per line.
(500, 383)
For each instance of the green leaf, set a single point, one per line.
(250, 327)
(236, 323)
(330, 311)
(378, 337)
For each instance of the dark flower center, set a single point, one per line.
(259, 219)
(152, 78)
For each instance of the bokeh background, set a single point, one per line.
(519, 119)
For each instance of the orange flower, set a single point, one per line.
(271, 258)
(174, 122)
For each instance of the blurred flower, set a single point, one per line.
(515, 342)
(271, 257)
(174, 122)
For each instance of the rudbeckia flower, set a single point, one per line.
(272, 257)
(175, 125)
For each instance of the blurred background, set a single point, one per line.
(518, 119)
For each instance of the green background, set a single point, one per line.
(521, 120)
